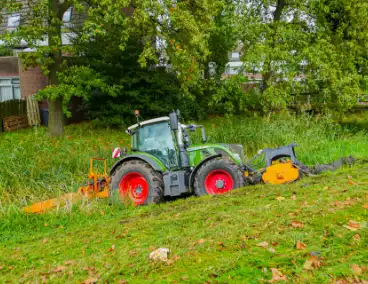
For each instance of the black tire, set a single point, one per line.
(153, 178)
(221, 164)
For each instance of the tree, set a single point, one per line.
(43, 23)
(299, 47)
(182, 28)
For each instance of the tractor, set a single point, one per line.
(164, 163)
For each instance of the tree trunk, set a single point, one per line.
(56, 115)
(56, 118)
(280, 5)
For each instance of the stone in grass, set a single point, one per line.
(160, 254)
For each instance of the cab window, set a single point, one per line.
(157, 140)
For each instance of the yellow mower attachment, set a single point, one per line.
(97, 187)
(281, 173)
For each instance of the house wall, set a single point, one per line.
(31, 80)
(9, 66)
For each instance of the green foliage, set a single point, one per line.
(316, 43)
(5, 51)
(230, 97)
(78, 81)
(153, 92)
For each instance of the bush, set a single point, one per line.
(230, 96)
(155, 93)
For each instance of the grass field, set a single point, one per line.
(240, 237)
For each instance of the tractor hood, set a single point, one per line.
(199, 152)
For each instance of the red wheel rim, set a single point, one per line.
(134, 186)
(218, 182)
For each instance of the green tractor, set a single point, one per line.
(163, 163)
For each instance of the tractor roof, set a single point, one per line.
(150, 121)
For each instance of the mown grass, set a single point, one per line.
(212, 239)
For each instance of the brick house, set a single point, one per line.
(15, 81)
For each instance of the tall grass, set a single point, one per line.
(320, 139)
(34, 165)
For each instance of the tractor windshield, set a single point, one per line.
(156, 139)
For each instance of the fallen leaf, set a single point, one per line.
(293, 197)
(352, 225)
(272, 250)
(300, 245)
(356, 269)
(112, 248)
(338, 204)
(351, 182)
(312, 262)
(365, 206)
(90, 280)
(280, 198)
(356, 237)
(297, 224)
(59, 269)
(277, 275)
(201, 241)
(44, 241)
(68, 262)
(1, 267)
(172, 260)
(275, 244)
(263, 244)
(325, 188)
(45, 225)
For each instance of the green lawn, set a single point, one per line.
(211, 239)
(235, 238)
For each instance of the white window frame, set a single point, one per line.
(235, 54)
(13, 20)
(14, 84)
(67, 17)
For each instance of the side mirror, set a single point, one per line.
(174, 123)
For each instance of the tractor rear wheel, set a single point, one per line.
(218, 176)
(137, 182)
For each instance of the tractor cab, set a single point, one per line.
(155, 137)
(165, 138)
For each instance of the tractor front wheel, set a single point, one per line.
(137, 182)
(218, 176)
